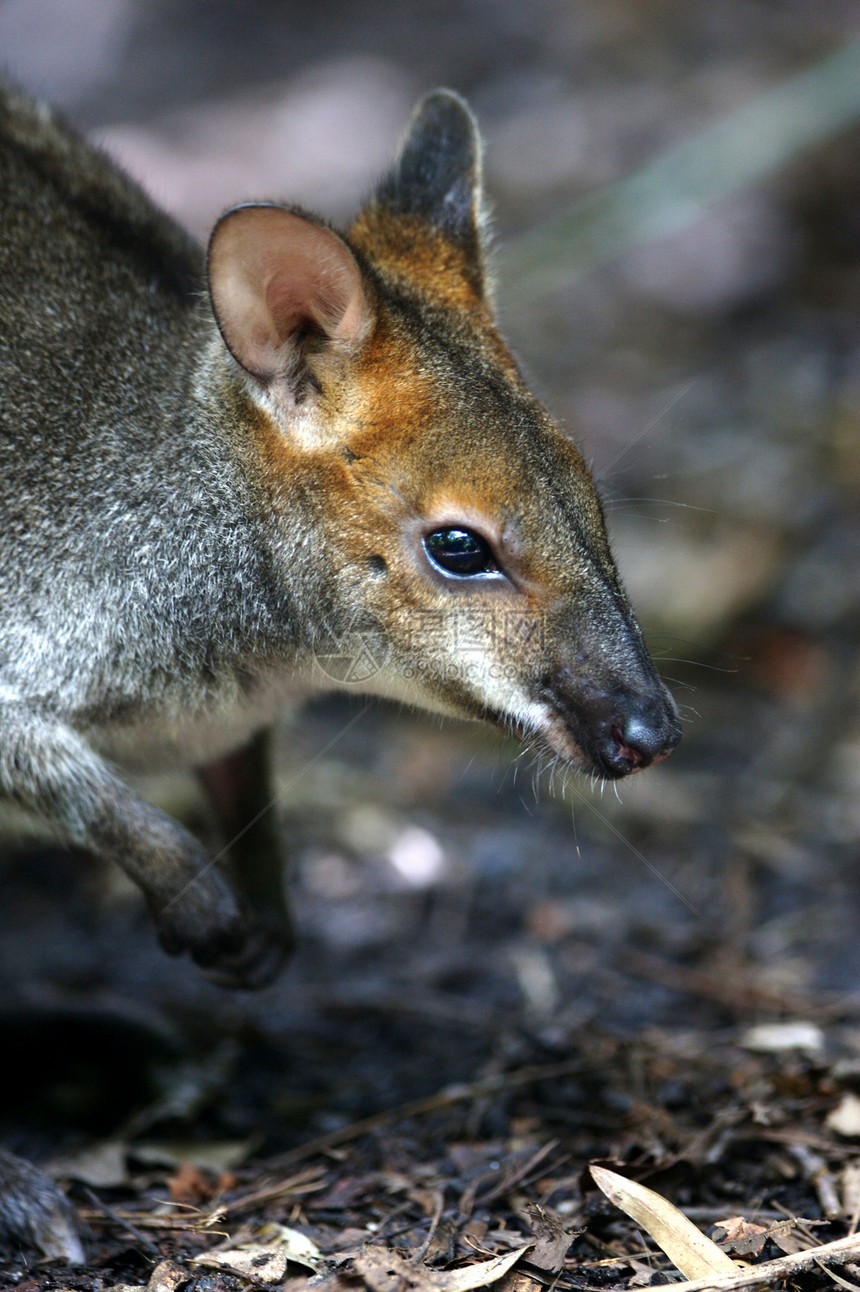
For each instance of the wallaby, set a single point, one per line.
(218, 472)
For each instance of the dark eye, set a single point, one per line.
(461, 552)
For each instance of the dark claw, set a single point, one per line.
(255, 964)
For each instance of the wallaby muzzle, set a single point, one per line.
(611, 701)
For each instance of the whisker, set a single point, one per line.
(670, 502)
(696, 663)
(654, 420)
(672, 889)
(692, 715)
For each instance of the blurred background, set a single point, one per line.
(676, 195)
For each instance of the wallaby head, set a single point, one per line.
(423, 500)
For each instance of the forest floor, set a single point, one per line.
(494, 989)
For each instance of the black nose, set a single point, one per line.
(638, 737)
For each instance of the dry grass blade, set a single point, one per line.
(838, 1280)
(684, 1244)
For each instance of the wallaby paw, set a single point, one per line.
(235, 950)
(34, 1211)
(257, 962)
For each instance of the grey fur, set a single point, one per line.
(134, 579)
(34, 1210)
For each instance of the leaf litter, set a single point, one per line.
(421, 1198)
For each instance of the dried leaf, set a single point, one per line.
(479, 1275)
(691, 1251)
(740, 1236)
(743, 1238)
(167, 1277)
(103, 1165)
(189, 1184)
(551, 1239)
(519, 1281)
(845, 1117)
(267, 1261)
(777, 1037)
(217, 1155)
(253, 1260)
(386, 1271)
(296, 1245)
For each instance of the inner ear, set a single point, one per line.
(274, 277)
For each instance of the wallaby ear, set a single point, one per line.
(277, 280)
(437, 174)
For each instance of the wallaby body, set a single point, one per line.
(201, 496)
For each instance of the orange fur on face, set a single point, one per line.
(410, 253)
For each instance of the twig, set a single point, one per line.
(306, 1181)
(125, 1225)
(771, 1272)
(503, 1186)
(420, 1252)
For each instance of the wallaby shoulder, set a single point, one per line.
(48, 168)
(129, 515)
(98, 291)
